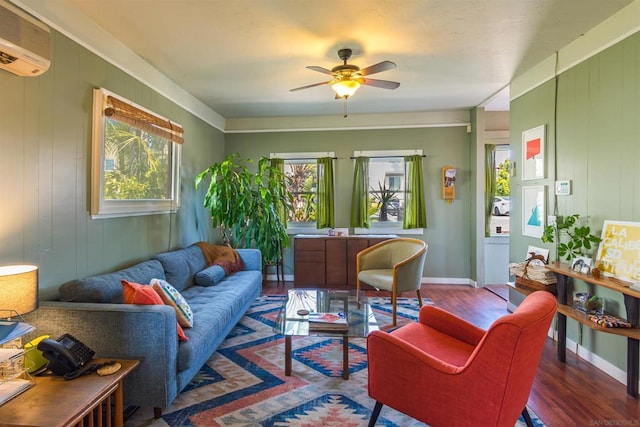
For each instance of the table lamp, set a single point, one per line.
(19, 288)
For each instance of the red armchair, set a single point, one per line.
(444, 371)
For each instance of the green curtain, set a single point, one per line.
(489, 184)
(279, 164)
(325, 217)
(415, 212)
(360, 199)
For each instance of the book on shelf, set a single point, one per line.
(328, 321)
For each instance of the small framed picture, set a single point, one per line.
(533, 158)
(533, 210)
(538, 251)
(581, 265)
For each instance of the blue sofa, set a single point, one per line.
(93, 311)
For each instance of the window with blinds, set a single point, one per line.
(135, 159)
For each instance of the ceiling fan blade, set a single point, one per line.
(308, 86)
(320, 69)
(384, 84)
(377, 68)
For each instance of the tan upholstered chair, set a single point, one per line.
(393, 265)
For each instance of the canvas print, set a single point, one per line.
(533, 145)
(533, 210)
(619, 250)
(537, 251)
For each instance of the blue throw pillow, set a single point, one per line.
(210, 276)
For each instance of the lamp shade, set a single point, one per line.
(19, 288)
(345, 88)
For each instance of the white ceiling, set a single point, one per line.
(241, 57)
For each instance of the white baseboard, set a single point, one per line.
(448, 281)
(425, 280)
(592, 358)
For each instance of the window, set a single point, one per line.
(386, 189)
(135, 159)
(384, 178)
(302, 173)
(501, 204)
(302, 182)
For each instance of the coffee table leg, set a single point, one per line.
(287, 355)
(345, 358)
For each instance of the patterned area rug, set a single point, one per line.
(243, 383)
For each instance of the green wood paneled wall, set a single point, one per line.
(597, 147)
(45, 140)
(449, 226)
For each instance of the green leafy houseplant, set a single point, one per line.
(248, 207)
(580, 240)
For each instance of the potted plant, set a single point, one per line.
(383, 197)
(248, 208)
(580, 241)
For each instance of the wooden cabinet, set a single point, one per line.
(327, 261)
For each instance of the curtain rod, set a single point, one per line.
(384, 157)
(303, 158)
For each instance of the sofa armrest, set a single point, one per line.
(252, 259)
(125, 331)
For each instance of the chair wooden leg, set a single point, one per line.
(375, 414)
(394, 300)
(527, 418)
(157, 413)
(419, 297)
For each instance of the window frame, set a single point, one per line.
(310, 226)
(101, 208)
(386, 227)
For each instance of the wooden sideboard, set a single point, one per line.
(328, 261)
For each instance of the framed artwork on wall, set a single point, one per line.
(533, 210)
(533, 150)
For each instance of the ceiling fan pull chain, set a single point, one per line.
(345, 107)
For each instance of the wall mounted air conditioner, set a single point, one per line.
(25, 42)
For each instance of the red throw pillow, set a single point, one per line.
(135, 293)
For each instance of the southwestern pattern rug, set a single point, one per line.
(243, 383)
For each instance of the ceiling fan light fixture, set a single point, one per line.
(345, 88)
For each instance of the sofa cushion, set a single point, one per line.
(107, 288)
(210, 276)
(170, 296)
(181, 265)
(135, 293)
(215, 307)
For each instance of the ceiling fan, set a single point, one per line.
(347, 78)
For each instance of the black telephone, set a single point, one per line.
(66, 354)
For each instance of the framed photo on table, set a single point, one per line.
(533, 151)
(533, 210)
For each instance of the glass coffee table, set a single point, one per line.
(293, 318)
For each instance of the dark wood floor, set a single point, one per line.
(564, 394)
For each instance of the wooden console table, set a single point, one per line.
(54, 401)
(564, 275)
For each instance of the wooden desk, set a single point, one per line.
(54, 401)
(564, 275)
